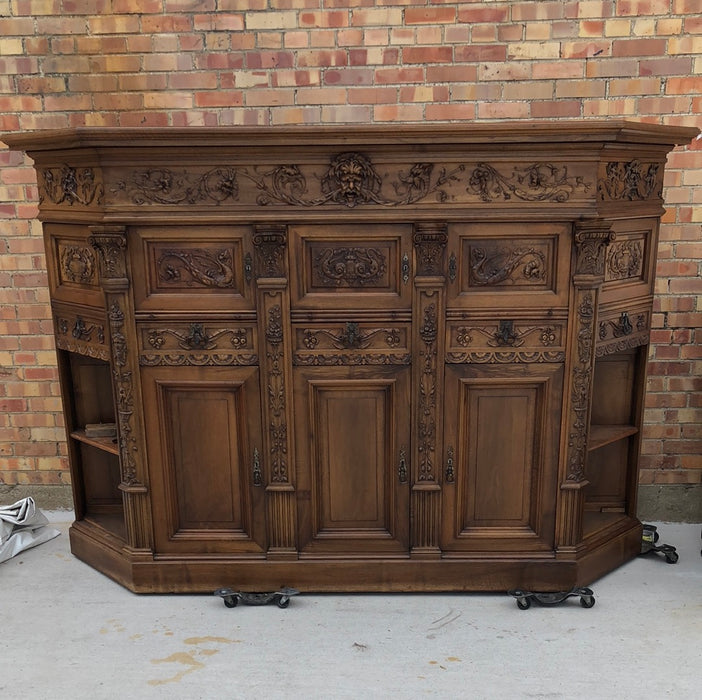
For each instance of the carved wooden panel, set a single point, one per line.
(502, 455)
(194, 268)
(197, 343)
(507, 265)
(342, 266)
(203, 428)
(351, 343)
(353, 459)
(505, 340)
(72, 265)
(629, 260)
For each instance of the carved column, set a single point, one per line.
(591, 240)
(110, 242)
(427, 379)
(273, 304)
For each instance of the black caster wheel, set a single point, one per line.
(231, 602)
(587, 601)
(523, 603)
(672, 557)
(283, 602)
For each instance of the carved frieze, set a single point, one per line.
(484, 357)
(68, 185)
(166, 186)
(630, 181)
(537, 182)
(350, 179)
(77, 264)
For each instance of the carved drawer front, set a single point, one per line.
(198, 268)
(361, 266)
(507, 265)
(505, 340)
(622, 327)
(629, 269)
(72, 264)
(82, 332)
(351, 343)
(197, 343)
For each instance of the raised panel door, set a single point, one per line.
(204, 442)
(353, 450)
(501, 435)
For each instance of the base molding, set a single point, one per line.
(142, 573)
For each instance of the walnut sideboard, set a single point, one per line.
(354, 358)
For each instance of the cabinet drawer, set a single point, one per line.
(201, 268)
(507, 265)
(622, 327)
(350, 266)
(505, 340)
(81, 332)
(351, 343)
(197, 343)
(72, 264)
(630, 261)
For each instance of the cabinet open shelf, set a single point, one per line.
(108, 444)
(601, 435)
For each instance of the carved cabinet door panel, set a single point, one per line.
(203, 427)
(353, 449)
(501, 440)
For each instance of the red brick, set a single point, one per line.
(451, 74)
(427, 54)
(638, 47)
(556, 108)
(387, 76)
(479, 53)
(349, 76)
(430, 15)
(636, 8)
(472, 14)
(450, 112)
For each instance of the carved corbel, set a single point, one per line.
(110, 242)
(430, 245)
(269, 242)
(591, 241)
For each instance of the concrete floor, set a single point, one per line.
(69, 632)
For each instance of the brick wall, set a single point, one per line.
(226, 62)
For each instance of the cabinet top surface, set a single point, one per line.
(407, 135)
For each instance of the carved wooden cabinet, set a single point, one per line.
(354, 359)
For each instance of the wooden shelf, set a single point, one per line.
(107, 444)
(601, 435)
